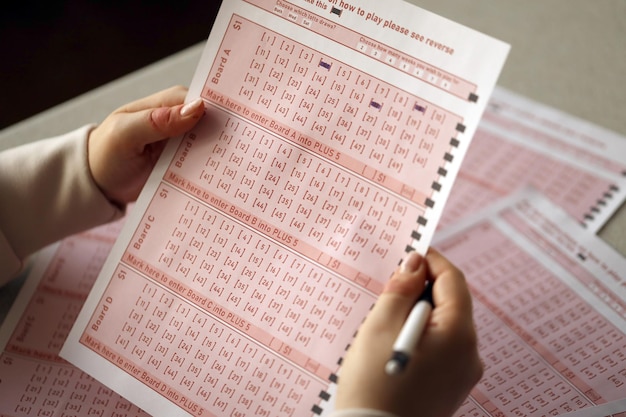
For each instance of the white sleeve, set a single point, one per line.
(46, 193)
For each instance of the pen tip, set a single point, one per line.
(393, 367)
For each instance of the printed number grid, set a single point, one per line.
(371, 47)
(34, 381)
(544, 349)
(370, 126)
(276, 189)
(200, 361)
(229, 277)
(496, 166)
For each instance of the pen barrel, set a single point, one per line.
(413, 328)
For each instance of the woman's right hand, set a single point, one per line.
(444, 367)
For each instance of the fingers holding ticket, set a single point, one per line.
(124, 148)
(443, 367)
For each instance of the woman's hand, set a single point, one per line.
(445, 365)
(125, 147)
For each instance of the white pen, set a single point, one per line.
(411, 332)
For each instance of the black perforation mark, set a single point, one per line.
(600, 204)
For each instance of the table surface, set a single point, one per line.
(568, 54)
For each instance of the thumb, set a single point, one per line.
(401, 292)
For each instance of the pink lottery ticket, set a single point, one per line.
(330, 143)
(34, 380)
(519, 142)
(550, 311)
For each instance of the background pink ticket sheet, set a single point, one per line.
(550, 311)
(34, 380)
(519, 142)
(330, 143)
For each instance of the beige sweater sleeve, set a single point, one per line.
(47, 193)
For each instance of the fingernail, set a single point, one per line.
(191, 106)
(411, 262)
